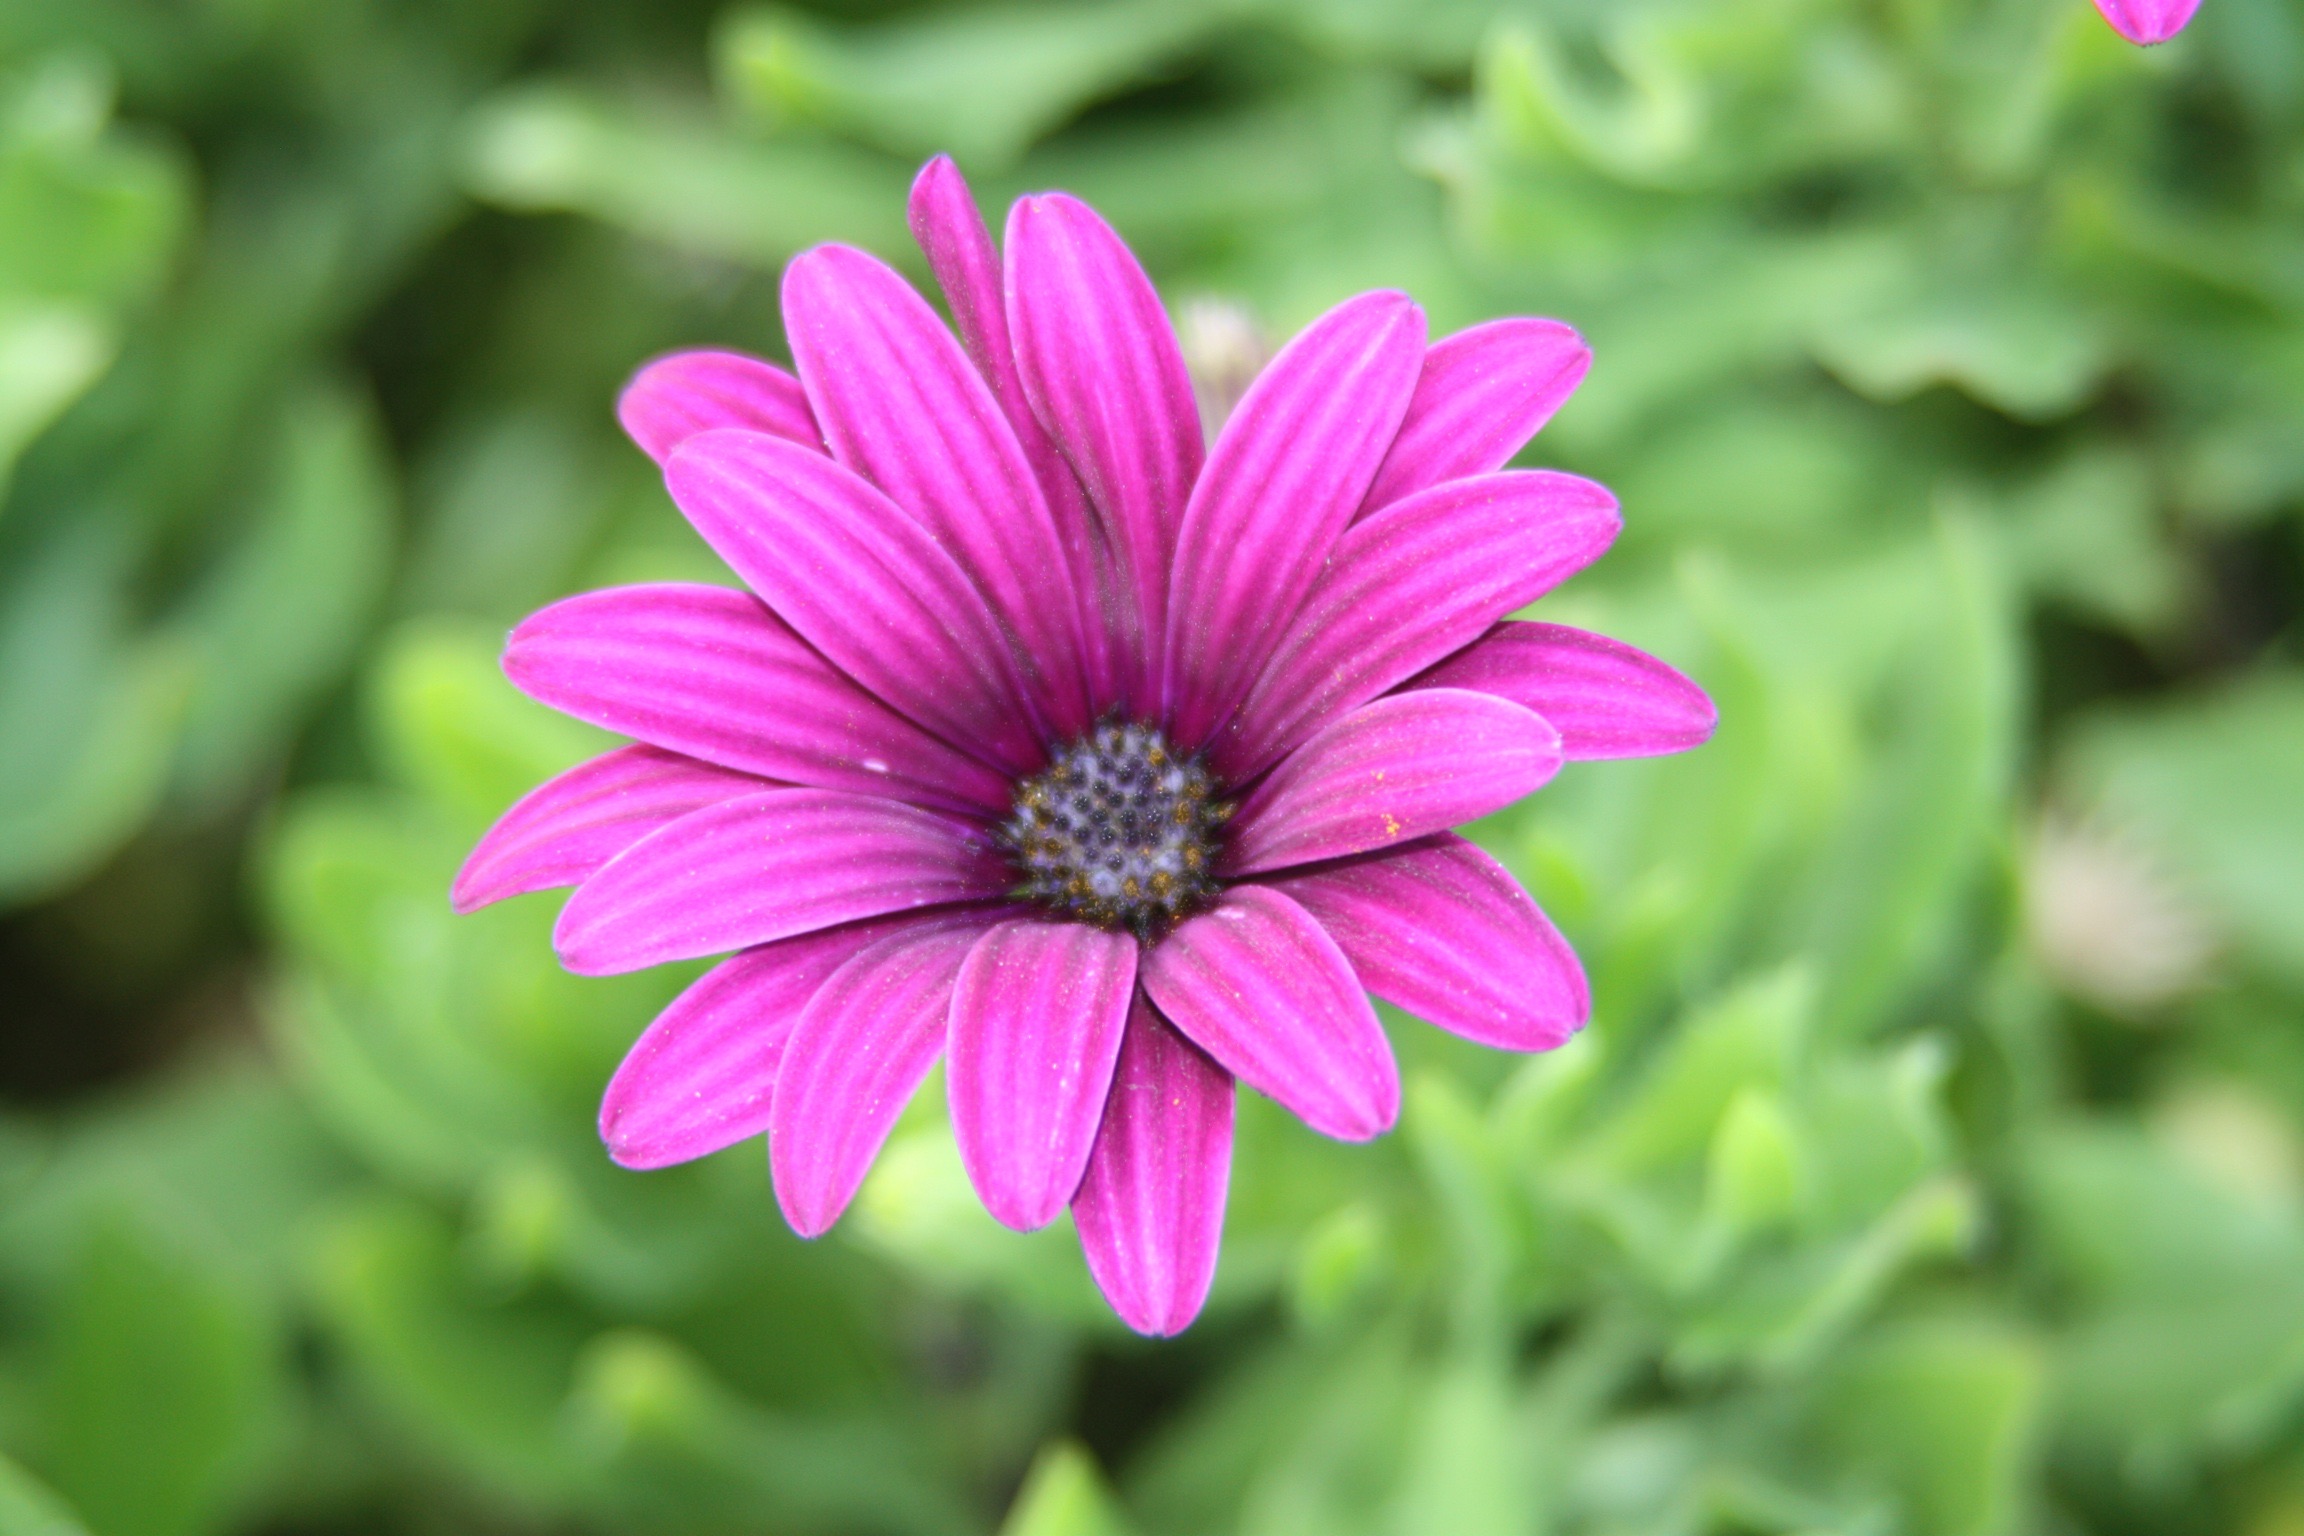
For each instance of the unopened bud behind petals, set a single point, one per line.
(2147, 21)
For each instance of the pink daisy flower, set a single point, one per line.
(1109, 766)
(2148, 21)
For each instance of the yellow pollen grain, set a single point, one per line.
(1391, 827)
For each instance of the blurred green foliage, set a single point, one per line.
(1935, 1163)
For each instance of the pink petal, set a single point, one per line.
(1285, 476)
(1100, 365)
(2148, 21)
(567, 827)
(1036, 1023)
(1419, 580)
(1391, 771)
(712, 673)
(1443, 930)
(1604, 697)
(674, 398)
(859, 1050)
(1260, 986)
(862, 582)
(1483, 393)
(701, 1077)
(902, 406)
(967, 266)
(765, 867)
(1151, 1208)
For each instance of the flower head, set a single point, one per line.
(1106, 764)
(2148, 21)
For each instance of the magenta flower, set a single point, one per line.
(1107, 767)
(2148, 21)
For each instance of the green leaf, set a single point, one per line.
(88, 221)
(49, 355)
(1064, 1495)
(2014, 340)
(679, 1451)
(165, 1386)
(980, 84)
(1886, 894)
(1945, 1415)
(1753, 1175)
(546, 148)
(2214, 786)
(28, 1509)
(2189, 1337)
(85, 214)
(476, 1384)
(2087, 533)
(1464, 1472)
(87, 718)
(1340, 1265)
(1750, 1037)
(276, 622)
(1487, 1236)
(918, 1208)
(1783, 1312)
(449, 726)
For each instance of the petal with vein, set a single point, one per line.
(902, 406)
(712, 673)
(1482, 394)
(1605, 698)
(1258, 984)
(702, 1076)
(1286, 474)
(1391, 771)
(863, 583)
(1151, 1209)
(674, 398)
(855, 1056)
(765, 867)
(1443, 930)
(1036, 1023)
(959, 248)
(1421, 579)
(1100, 364)
(567, 827)
(2148, 21)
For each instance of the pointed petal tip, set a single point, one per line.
(624, 1153)
(1704, 716)
(467, 894)
(1156, 1323)
(934, 169)
(577, 955)
(1366, 1122)
(672, 397)
(807, 1224)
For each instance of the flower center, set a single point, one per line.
(1118, 831)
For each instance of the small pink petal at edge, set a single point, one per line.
(567, 827)
(673, 398)
(2147, 22)
(1607, 699)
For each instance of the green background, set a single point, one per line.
(1934, 1165)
